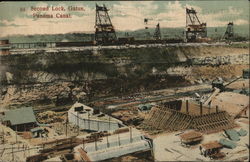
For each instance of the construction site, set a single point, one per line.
(124, 99)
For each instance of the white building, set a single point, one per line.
(114, 146)
(86, 119)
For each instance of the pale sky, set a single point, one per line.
(128, 15)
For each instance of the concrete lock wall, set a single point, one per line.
(94, 125)
(119, 151)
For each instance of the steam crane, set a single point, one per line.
(229, 34)
(194, 28)
(104, 30)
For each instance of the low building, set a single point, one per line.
(39, 132)
(89, 119)
(246, 73)
(212, 150)
(115, 146)
(21, 119)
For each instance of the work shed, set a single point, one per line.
(21, 119)
(212, 150)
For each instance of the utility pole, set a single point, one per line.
(119, 142)
(95, 136)
(109, 123)
(130, 132)
(12, 153)
(83, 143)
(107, 142)
(16, 134)
(88, 120)
(66, 125)
(78, 123)
(3, 140)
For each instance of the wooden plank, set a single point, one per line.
(84, 155)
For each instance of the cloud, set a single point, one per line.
(221, 18)
(175, 16)
(43, 26)
(241, 22)
(130, 15)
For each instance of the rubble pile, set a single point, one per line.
(50, 117)
(128, 117)
(225, 71)
(52, 93)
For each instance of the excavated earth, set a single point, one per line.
(63, 76)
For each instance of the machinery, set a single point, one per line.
(194, 28)
(219, 83)
(157, 34)
(229, 34)
(104, 30)
(219, 86)
(246, 73)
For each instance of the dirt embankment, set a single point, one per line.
(211, 51)
(212, 72)
(47, 78)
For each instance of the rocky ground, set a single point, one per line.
(168, 147)
(51, 80)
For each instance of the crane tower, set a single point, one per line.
(157, 34)
(229, 34)
(104, 30)
(194, 28)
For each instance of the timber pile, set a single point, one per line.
(213, 122)
(167, 120)
(171, 120)
(84, 155)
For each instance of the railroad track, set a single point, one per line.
(131, 101)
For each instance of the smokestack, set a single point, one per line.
(187, 106)
(217, 108)
(200, 108)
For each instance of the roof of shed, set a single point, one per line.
(190, 135)
(20, 116)
(211, 145)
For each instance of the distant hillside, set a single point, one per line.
(167, 33)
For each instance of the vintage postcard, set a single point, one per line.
(124, 81)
